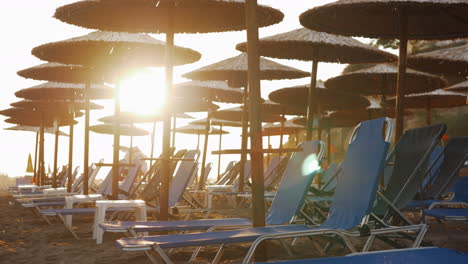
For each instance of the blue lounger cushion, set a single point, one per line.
(447, 213)
(400, 256)
(159, 226)
(208, 238)
(84, 211)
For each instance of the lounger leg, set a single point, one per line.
(70, 228)
(43, 217)
(317, 246)
(420, 236)
(219, 255)
(161, 254)
(195, 254)
(286, 247)
(368, 244)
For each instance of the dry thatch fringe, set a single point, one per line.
(450, 61)
(53, 105)
(289, 128)
(199, 129)
(21, 112)
(58, 72)
(235, 114)
(459, 87)
(235, 70)
(217, 122)
(47, 130)
(381, 79)
(152, 16)
(130, 118)
(46, 122)
(299, 44)
(216, 91)
(124, 130)
(274, 108)
(435, 99)
(328, 99)
(428, 19)
(108, 49)
(65, 91)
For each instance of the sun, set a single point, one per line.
(143, 92)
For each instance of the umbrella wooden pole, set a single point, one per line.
(198, 141)
(130, 154)
(166, 139)
(311, 100)
(86, 138)
(153, 134)
(70, 152)
(401, 78)
(281, 133)
(54, 175)
(219, 148)
(428, 112)
(41, 154)
(174, 125)
(35, 178)
(329, 146)
(269, 147)
(201, 183)
(258, 206)
(116, 158)
(243, 157)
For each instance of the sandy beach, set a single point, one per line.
(26, 238)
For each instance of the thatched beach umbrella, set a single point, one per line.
(308, 45)
(434, 99)
(181, 16)
(107, 53)
(459, 87)
(283, 128)
(381, 80)
(60, 76)
(396, 19)
(449, 61)
(235, 114)
(234, 70)
(124, 130)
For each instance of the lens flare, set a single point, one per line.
(310, 165)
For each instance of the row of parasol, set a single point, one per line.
(104, 56)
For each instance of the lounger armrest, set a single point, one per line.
(448, 203)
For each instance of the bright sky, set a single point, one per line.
(28, 23)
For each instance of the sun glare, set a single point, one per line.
(143, 92)
(310, 165)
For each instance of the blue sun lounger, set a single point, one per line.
(177, 187)
(431, 255)
(454, 156)
(362, 167)
(288, 201)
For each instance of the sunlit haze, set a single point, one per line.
(29, 23)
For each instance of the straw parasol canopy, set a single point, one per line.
(52, 105)
(288, 128)
(450, 61)
(47, 130)
(31, 113)
(428, 19)
(298, 44)
(103, 48)
(58, 72)
(28, 121)
(381, 79)
(235, 114)
(109, 129)
(65, 91)
(153, 16)
(217, 122)
(329, 99)
(216, 91)
(459, 87)
(199, 129)
(130, 118)
(435, 99)
(281, 109)
(182, 105)
(234, 70)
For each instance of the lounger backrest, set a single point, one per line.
(182, 176)
(93, 174)
(246, 174)
(361, 169)
(454, 155)
(64, 177)
(411, 155)
(295, 183)
(105, 183)
(435, 161)
(461, 190)
(329, 178)
(208, 168)
(226, 175)
(129, 180)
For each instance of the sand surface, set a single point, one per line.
(26, 238)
